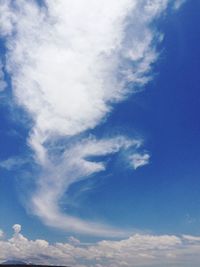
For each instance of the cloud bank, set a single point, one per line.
(135, 251)
(69, 62)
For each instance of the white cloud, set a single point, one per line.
(191, 238)
(13, 163)
(178, 3)
(74, 165)
(69, 62)
(1, 233)
(6, 17)
(74, 241)
(139, 160)
(71, 67)
(136, 251)
(17, 236)
(17, 228)
(2, 81)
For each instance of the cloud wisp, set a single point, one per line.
(57, 179)
(69, 61)
(138, 251)
(139, 160)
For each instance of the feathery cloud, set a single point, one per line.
(178, 3)
(13, 163)
(57, 179)
(69, 61)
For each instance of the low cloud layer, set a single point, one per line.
(69, 62)
(135, 251)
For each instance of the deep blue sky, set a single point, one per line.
(162, 197)
(166, 192)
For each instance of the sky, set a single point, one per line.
(99, 137)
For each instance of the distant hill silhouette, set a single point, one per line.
(14, 263)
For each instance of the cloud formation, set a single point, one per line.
(69, 62)
(13, 163)
(136, 251)
(178, 3)
(139, 160)
(57, 179)
(69, 70)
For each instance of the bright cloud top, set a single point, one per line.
(76, 61)
(69, 61)
(138, 250)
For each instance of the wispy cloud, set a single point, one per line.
(139, 160)
(69, 61)
(74, 165)
(138, 251)
(13, 163)
(178, 3)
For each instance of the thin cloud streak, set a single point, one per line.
(13, 163)
(53, 183)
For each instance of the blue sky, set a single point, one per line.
(100, 144)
